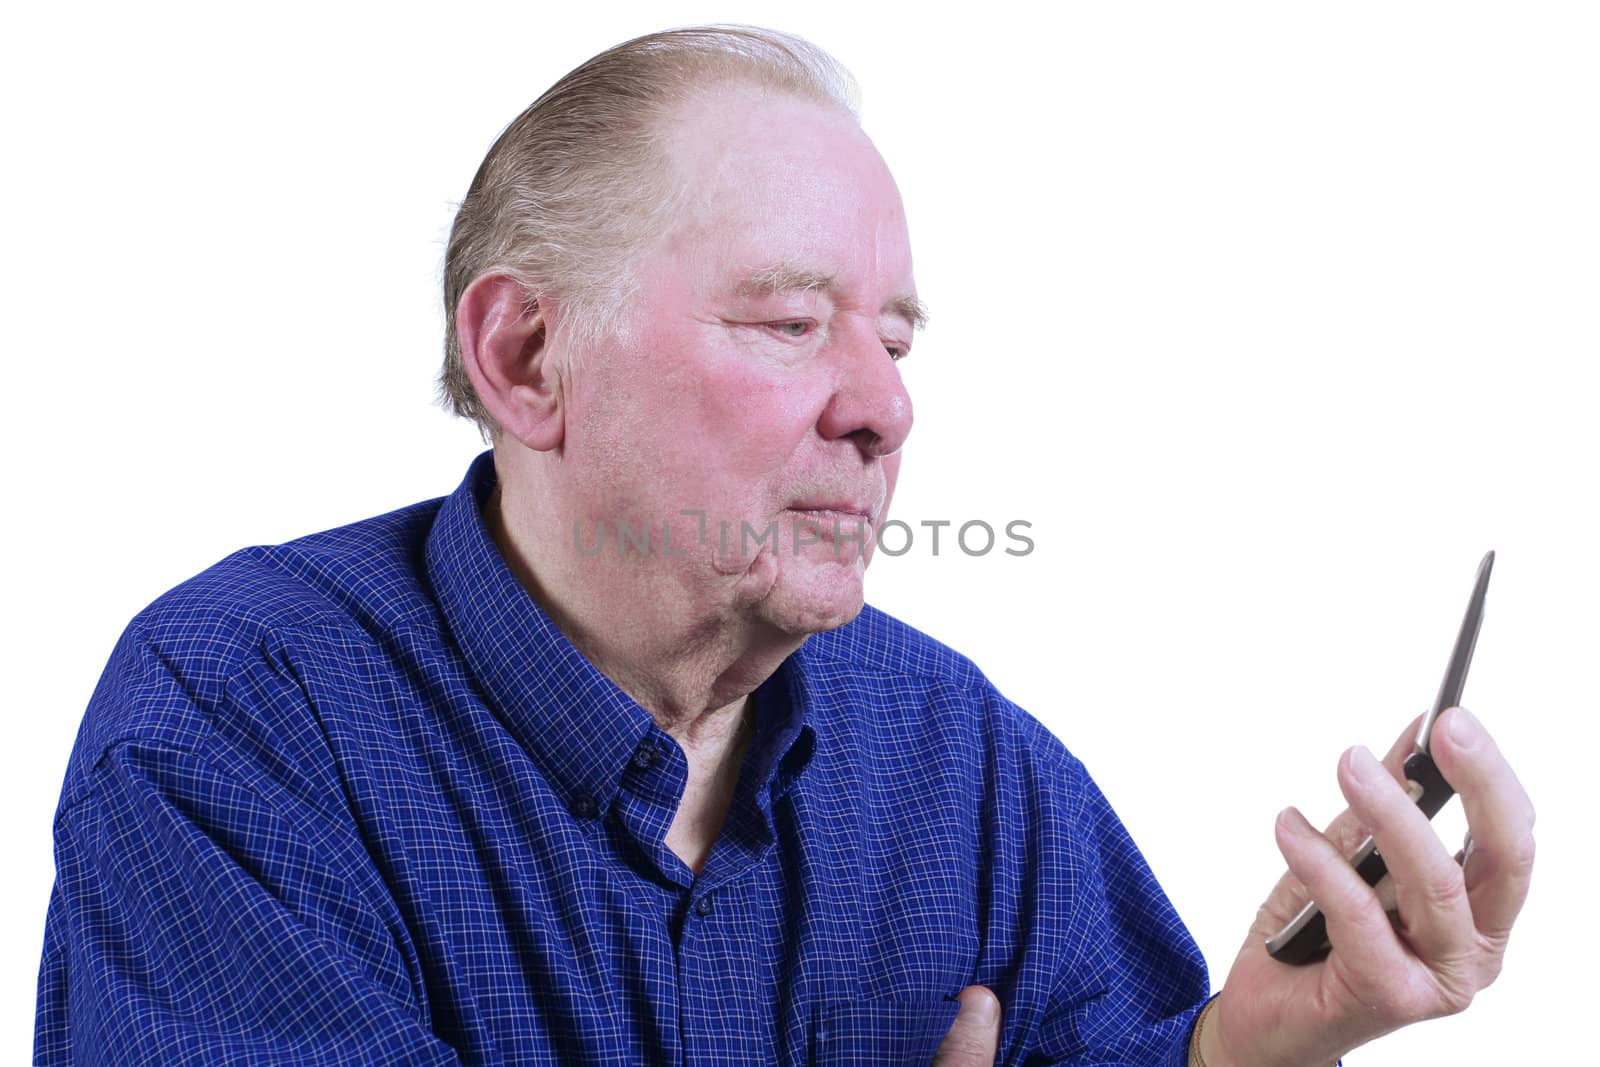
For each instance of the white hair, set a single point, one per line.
(570, 192)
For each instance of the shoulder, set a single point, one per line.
(364, 578)
(893, 688)
(241, 631)
(878, 644)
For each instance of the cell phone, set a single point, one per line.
(1305, 938)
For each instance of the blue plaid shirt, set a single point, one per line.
(356, 800)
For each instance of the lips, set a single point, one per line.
(834, 518)
(854, 505)
(834, 522)
(853, 509)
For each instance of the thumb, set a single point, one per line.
(974, 1037)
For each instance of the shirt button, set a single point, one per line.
(702, 907)
(644, 757)
(584, 807)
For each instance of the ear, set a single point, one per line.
(503, 330)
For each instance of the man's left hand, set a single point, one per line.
(1453, 919)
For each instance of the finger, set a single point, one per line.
(1357, 926)
(1500, 817)
(1436, 918)
(1346, 832)
(974, 1038)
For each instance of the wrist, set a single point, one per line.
(1202, 1052)
(1209, 1047)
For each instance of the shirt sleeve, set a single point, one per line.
(1136, 980)
(200, 915)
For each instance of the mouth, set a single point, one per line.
(855, 507)
(841, 512)
(834, 523)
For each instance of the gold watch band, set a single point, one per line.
(1195, 1058)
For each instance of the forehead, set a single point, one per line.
(769, 178)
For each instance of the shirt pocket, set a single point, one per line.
(882, 1030)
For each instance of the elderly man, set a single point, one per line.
(601, 760)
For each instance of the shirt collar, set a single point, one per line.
(580, 728)
(578, 725)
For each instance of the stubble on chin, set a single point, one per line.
(794, 591)
(806, 598)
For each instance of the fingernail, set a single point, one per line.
(978, 1008)
(1464, 729)
(1365, 766)
(1291, 821)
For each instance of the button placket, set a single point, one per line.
(645, 755)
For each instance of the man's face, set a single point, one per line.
(758, 383)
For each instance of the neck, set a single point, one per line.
(692, 670)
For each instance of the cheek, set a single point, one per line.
(627, 436)
(758, 417)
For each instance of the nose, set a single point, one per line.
(869, 404)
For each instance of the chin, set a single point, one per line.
(824, 602)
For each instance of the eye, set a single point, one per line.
(794, 328)
(897, 352)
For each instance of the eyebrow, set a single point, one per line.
(783, 278)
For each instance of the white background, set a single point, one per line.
(1271, 318)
